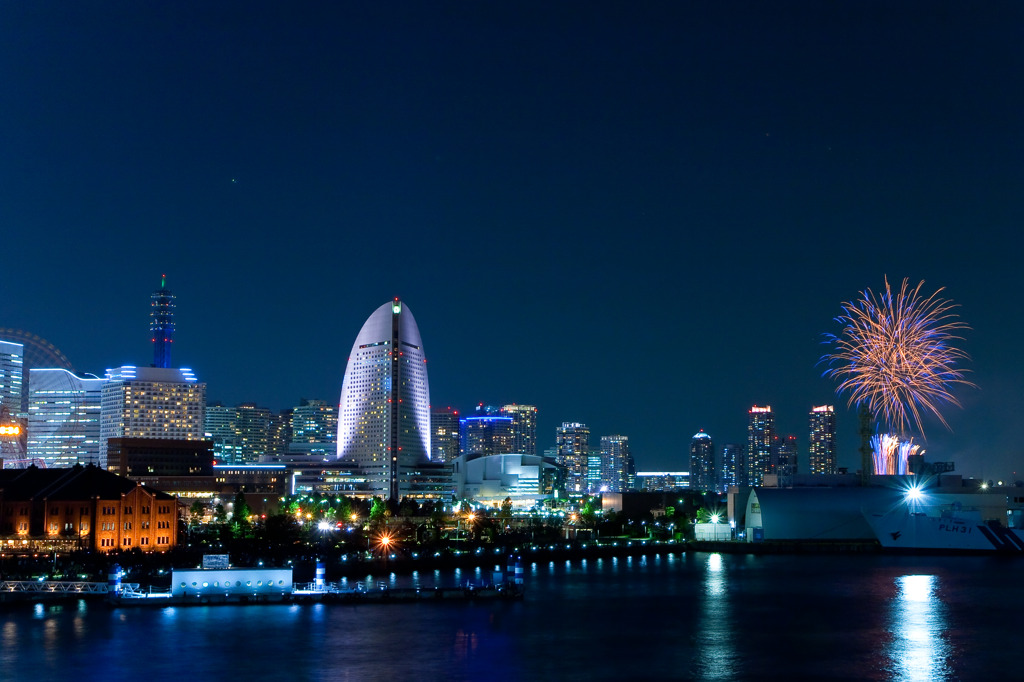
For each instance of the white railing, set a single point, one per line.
(56, 586)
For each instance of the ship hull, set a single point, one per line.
(901, 530)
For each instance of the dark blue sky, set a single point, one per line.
(642, 216)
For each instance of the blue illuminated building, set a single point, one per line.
(161, 324)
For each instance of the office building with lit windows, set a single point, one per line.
(784, 452)
(241, 434)
(524, 427)
(485, 435)
(662, 481)
(822, 448)
(760, 436)
(733, 466)
(384, 413)
(572, 442)
(63, 418)
(702, 462)
(314, 429)
(616, 464)
(151, 402)
(444, 434)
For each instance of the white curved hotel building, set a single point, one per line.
(384, 412)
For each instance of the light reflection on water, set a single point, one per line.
(681, 616)
(919, 649)
(716, 653)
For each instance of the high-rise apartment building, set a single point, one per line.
(444, 434)
(616, 464)
(702, 462)
(733, 466)
(485, 435)
(572, 440)
(760, 435)
(161, 324)
(314, 428)
(64, 418)
(822, 449)
(524, 427)
(151, 402)
(384, 420)
(241, 435)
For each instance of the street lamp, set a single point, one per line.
(384, 543)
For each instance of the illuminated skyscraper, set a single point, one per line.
(702, 462)
(760, 434)
(384, 414)
(444, 434)
(161, 324)
(151, 402)
(823, 440)
(616, 464)
(64, 418)
(524, 427)
(485, 435)
(733, 466)
(573, 443)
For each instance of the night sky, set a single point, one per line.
(641, 216)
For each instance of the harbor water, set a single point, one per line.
(702, 616)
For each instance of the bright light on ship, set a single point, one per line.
(914, 494)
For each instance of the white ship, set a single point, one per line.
(952, 529)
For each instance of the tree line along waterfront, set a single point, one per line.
(355, 537)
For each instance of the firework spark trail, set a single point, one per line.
(896, 354)
(891, 454)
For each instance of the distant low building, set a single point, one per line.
(662, 481)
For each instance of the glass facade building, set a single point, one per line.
(384, 412)
(64, 418)
(11, 376)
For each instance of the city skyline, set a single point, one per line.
(642, 219)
